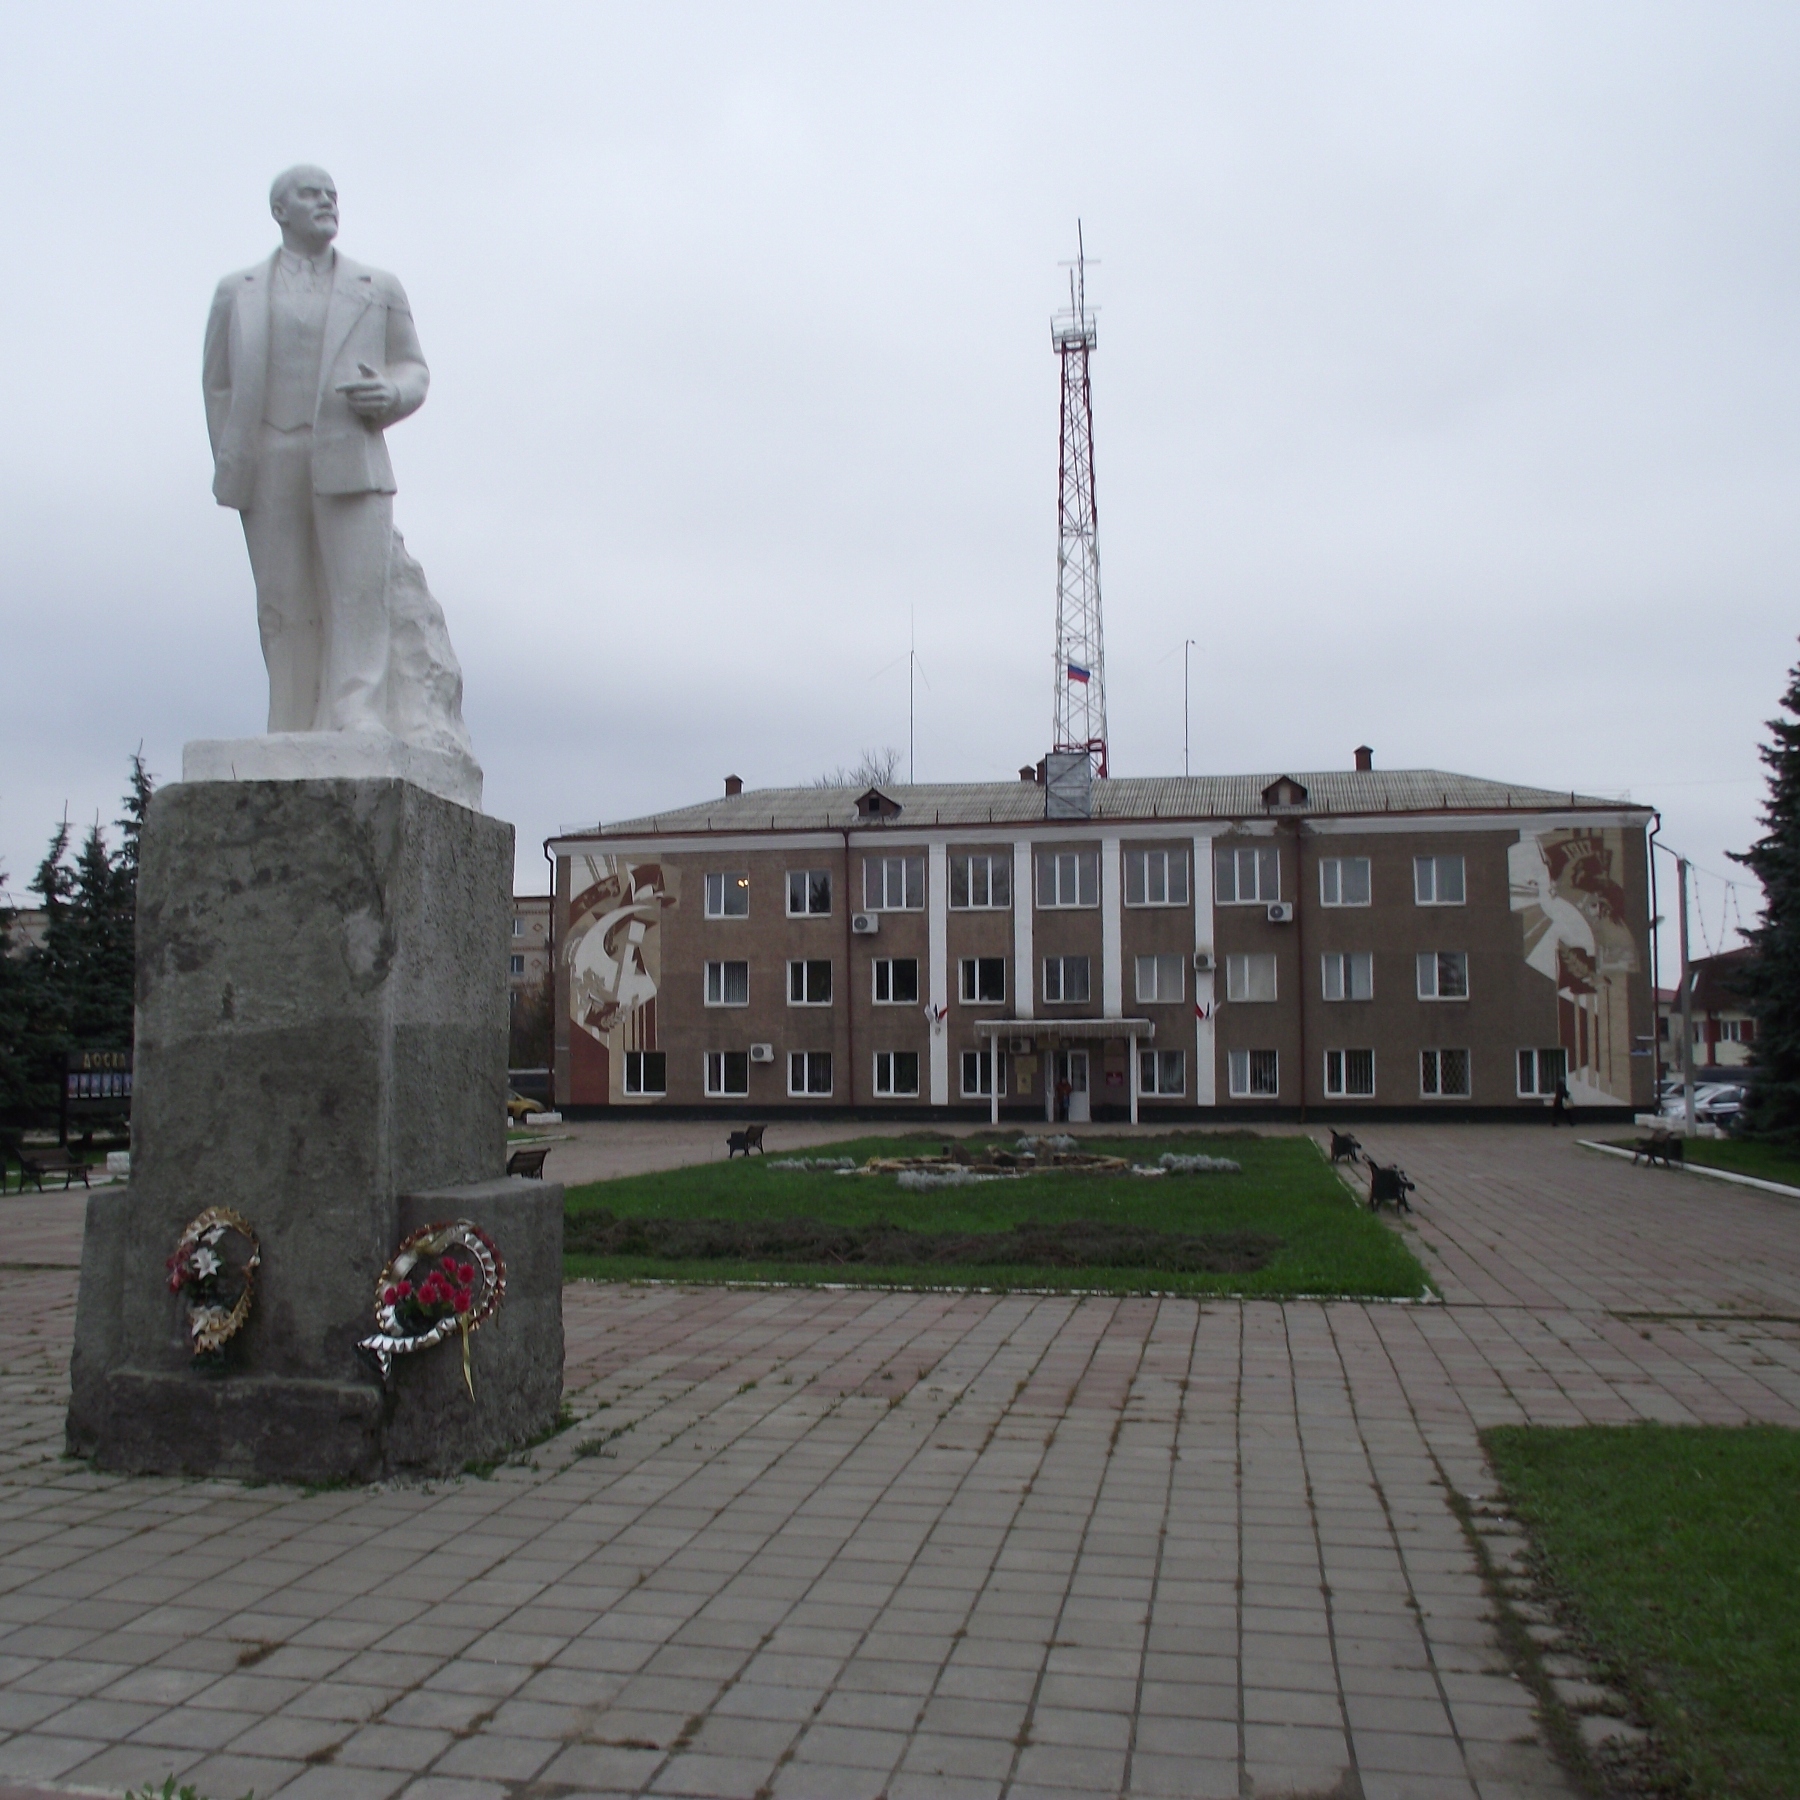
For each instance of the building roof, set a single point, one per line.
(1133, 798)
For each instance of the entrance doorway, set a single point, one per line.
(1070, 1067)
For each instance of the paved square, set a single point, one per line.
(825, 1544)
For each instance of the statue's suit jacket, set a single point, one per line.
(367, 321)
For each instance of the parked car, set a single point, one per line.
(518, 1105)
(1723, 1106)
(1674, 1104)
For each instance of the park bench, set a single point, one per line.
(1389, 1186)
(54, 1161)
(1344, 1148)
(750, 1138)
(1659, 1147)
(529, 1163)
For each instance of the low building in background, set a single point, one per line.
(1724, 1030)
(528, 954)
(1356, 942)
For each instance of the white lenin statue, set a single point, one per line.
(309, 356)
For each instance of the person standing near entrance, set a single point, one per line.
(1064, 1088)
(1559, 1105)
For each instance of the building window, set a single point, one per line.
(1349, 975)
(980, 881)
(809, 983)
(1444, 1074)
(1344, 881)
(1161, 979)
(646, 1072)
(1246, 877)
(1066, 980)
(516, 964)
(809, 893)
(1162, 1072)
(1156, 878)
(1068, 878)
(894, 883)
(983, 980)
(896, 980)
(1253, 1074)
(728, 895)
(1251, 977)
(1737, 1031)
(1350, 1074)
(1438, 880)
(518, 927)
(977, 1074)
(809, 1071)
(896, 1073)
(1443, 975)
(727, 984)
(727, 1073)
(1540, 1071)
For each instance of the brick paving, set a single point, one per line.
(817, 1544)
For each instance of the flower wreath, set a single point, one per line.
(199, 1270)
(416, 1314)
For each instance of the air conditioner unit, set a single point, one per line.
(762, 1052)
(1018, 1046)
(865, 924)
(1203, 962)
(1281, 912)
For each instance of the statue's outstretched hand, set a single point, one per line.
(371, 396)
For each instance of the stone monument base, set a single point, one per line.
(335, 756)
(320, 1049)
(274, 1427)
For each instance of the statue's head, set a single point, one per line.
(304, 202)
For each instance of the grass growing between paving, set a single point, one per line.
(1678, 1549)
(1285, 1225)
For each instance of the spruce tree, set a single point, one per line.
(15, 1085)
(1771, 982)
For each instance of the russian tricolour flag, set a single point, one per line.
(1078, 673)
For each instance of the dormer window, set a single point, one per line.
(876, 805)
(1284, 790)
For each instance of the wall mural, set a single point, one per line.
(1569, 885)
(613, 954)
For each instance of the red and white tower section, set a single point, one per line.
(1080, 679)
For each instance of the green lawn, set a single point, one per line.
(1743, 1156)
(1287, 1213)
(1679, 1548)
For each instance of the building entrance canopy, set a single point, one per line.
(1051, 1032)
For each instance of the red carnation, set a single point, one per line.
(462, 1303)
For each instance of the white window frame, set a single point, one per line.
(1062, 996)
(1262, 862)
(640, 1090)
(1331, 880)
(518, 928)
(1428, 882)
(1156, 878)
(995, 878)
(806, 1061)
(1342, 966)
(1337, 1072)
(1534, 1085)
(1431, 1075)
(1431, 965)
(1156, 1070)
(515, 965)
(1159, 964)
(808, 893)
(894, 883)
(808, 968)
(724, 889)
(1068, 880)
(1242, 1068)
(886, 1064)
(715, 1074)
(981, 1090)
(1237, 978)
(968, 981)
(716, 986)
(885, 965)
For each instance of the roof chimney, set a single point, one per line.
(734, 785)
(1365, 758)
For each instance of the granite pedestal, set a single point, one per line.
(321, 1046)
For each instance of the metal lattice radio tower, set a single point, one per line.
(1080, 679)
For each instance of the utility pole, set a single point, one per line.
(1185, 648)
(1687, 999)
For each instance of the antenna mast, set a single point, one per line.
(1079, 683)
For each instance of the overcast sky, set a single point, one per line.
(1446, 393)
